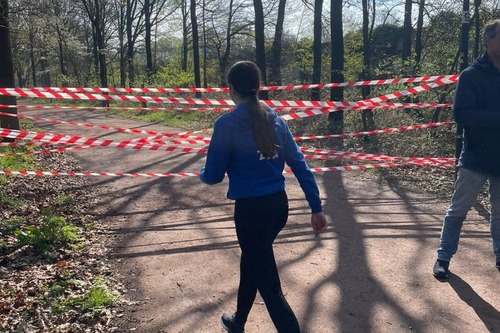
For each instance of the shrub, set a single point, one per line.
(53, 232)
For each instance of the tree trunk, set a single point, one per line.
(477, 37)
(204, 46)
(418, 37)
(366, 48)
(147, 39)
(260, 48)
(32, 56)
(45, 71)
(60, 44)
(95, 12)
(317, 49)
(100, 44)
(406, 52)
(196, 47)
(95, 49)
(121, 41)
(366, 115)
(407, 33)
(276, 49)
(223, 62)
(130, 45)
(6, 69)
(184, 36)
(336, 119)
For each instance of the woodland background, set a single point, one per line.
(54, 273)
(181, 43)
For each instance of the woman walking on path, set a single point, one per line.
(252, 144)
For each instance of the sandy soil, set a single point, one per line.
(370, 272)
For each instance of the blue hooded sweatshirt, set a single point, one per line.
(233, 150)
(477, 109)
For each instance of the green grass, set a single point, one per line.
(54, 232)
(63, 203)
(7, 201)
(92, 302)
(20, 162)
(9, 226)
(98, 297)
(179, 119)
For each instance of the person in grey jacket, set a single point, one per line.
(477, 109)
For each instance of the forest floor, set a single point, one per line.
(171, 247)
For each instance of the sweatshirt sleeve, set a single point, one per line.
(465, 105)
(294, 158)
(218, 155)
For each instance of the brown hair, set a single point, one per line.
(244, 76)
(490, 30)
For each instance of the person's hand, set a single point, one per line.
(318, 222)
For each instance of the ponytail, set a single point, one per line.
(244, 76)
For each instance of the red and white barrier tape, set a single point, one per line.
(46, 151)
(364, 157)
(160, 145)
(311, 112)
(225, 89)
(184, 135)
(77, 140)
(33, 93)
(327, 154)
(366, 107)
(307, 110)
(64, 149)
(324, 155)
(56, 107)
(188, 135)
(196, 174)
(98, 174)
(374, 132)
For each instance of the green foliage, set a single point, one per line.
(11, 225)
(19, 162)
(172, 75)
(64, 296)
(180, 119)
(98, 297)
(63, 201)
(304, 60)
(441, 38)
(9, 201)
(53, 232)
(387, 40)
(353, 54)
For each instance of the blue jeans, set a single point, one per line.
(467, 187)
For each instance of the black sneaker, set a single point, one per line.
(440, 269)
(228, 323)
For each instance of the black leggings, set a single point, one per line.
(258, 222)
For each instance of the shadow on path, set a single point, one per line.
(360, 292)
(484, 310)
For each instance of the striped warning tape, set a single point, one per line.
(225, 89)
(196, 174)
(33, 93)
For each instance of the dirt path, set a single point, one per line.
(371, 272)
